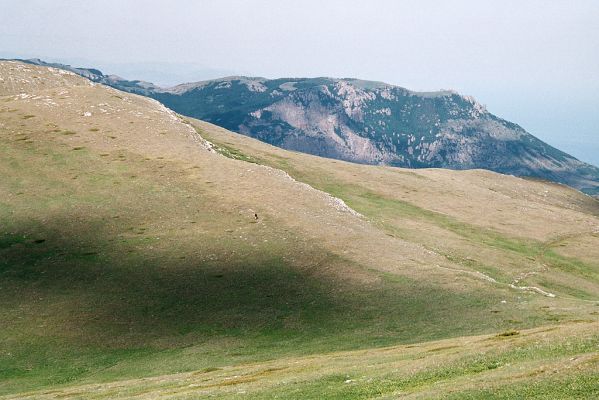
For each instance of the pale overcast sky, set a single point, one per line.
(535, 63)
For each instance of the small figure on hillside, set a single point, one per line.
(256, 216)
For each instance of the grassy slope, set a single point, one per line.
(127, 251)
(505, 227)
(531, 364)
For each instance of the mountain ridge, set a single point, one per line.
(366, 122)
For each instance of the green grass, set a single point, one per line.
(103, 298)
(229, 151)
(357, 383)
(264, 307)
(578, 386)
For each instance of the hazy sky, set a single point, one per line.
(535, 63)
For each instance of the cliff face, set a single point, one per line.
(368, 122)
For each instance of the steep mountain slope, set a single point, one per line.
(129, 249)
(368, 122)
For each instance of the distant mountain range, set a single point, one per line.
(365, 122)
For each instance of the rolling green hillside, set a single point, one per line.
(132, 264)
